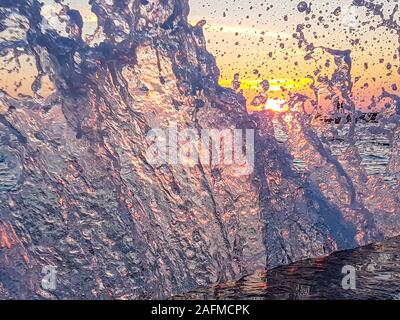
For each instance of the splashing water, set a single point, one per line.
(316, 279)
(352, 160)
(81, 89)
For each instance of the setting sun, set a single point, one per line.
(276, 105)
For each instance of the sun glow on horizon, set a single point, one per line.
(275, 84)
(278, 92)
(274, 105)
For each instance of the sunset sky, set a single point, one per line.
(257, 35)
(254, 38)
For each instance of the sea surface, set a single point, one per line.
(376, 271)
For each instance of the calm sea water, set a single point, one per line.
(376, 269)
